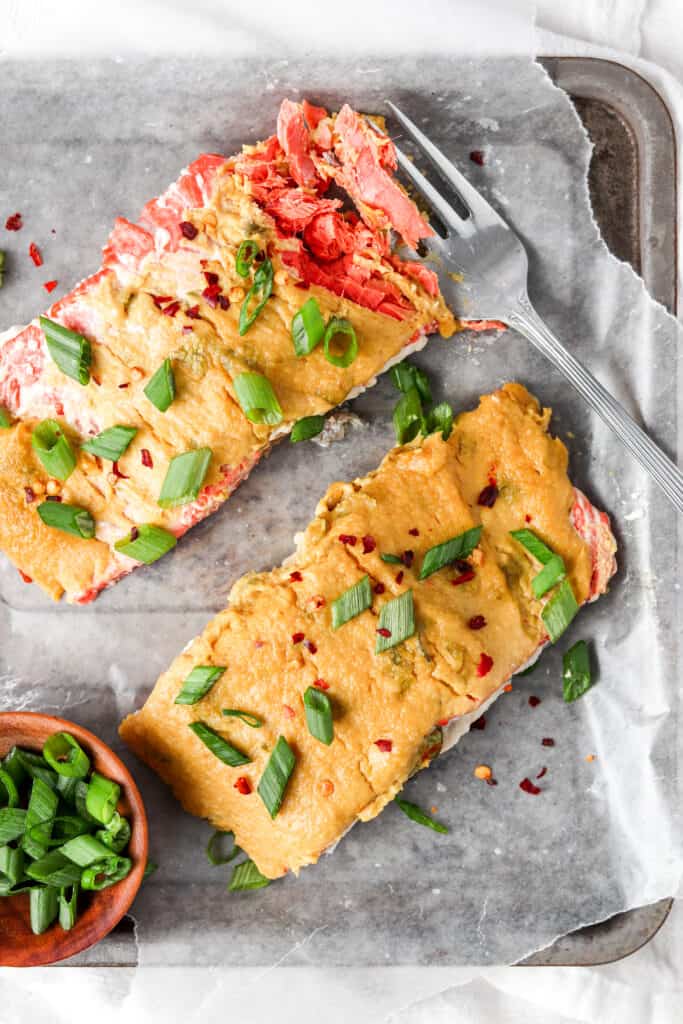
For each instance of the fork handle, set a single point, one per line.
(661, 468)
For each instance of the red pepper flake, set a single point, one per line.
(507, 688)
(297, 637)
(383, 631)
(259, 643)
(369, 544)
(124, 385)
(53, 497)
(50, 286)
(117, 472)
(527, 518)
(528, 786)
(480, 723)
(443, 721)
(384, 745)
(477, 157)
(289, 711)
(160, 300)
(187, 329)
(477, 622)
(488, 496)
(14, 223)
(211, 293)
(414, 532)
(171, 309)
(348, 538)
(485, 664)
(243, 785)
(399, 576)
(34, 253)
(210, 278)
(320, 684)
(295, 577)
(192, 312)
(542, 772)
(304, 285)
(534, 702)
(491, 782)
(379, 588)
(318, 601)
(146, 458)
(188, 229)
(464, 578)
(30, 495)
(97, 380)
(224, 302)
(310, 646)
(134, 533)
(475, 700)
(548, 741)
(25, 578)
(407, 558)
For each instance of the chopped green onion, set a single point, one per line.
(66, 787)
(352, 602)
(245, 256)
(11, 865)
(53, 449)
(146, 543)
(198, 683)
(4, 419)
(12, 764)
(184, 478)
(440, 418)
(54, 869)
(391, 559)
(44, 908)
(12, 824)
(105, 873)
(533, 544)
(116, 835)
(450, 551)
(319, 715)
(308, 328)
(213, 847)
(58, 830)
(405, 376)
(161, 387)
(273, 782)
(408, 417)
(68, 518)
(558, 613)
(552, 572)
(260, 290)
(62, 752)
(11, 793)
(306, 428)
(339, 325)
(251, 720)
(42, 808)
(80, 800)
(102, 798)
(219, 747)
(84, 850)
(35, 765)
(70, 351)
(576, 671)
(111, 443)
(68, 906)
(397, 619)
(413, 812)
(258, 400)
(246, 876)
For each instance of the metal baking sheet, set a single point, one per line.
(109, 156)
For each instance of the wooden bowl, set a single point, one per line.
(100, 911)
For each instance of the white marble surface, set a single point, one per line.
(648, 987)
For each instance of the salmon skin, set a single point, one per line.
(320, 201)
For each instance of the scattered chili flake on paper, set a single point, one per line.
(529, 787)
(34, 253)
(50, 286)
(534, 701)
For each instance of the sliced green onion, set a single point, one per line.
(146, 543)
(397, 617)
(42, 808)
(13, 765)
(319, 715)
(111, 443)
(405, 376)
(58, 830)
(352, 602)
(415, 813)
(44, 907)
(102, 798)
(408, 417)
(66, 787)
(561, 608)
(219, 747)
(576, 671)
(391, 559)
(105, 873)
(308, 328)
(273, 782)
(35, 765)
(68, 518)
(53, 449)
(62, 752)
(306, 428)
(116, 835)
(161, 387)
(450, 551)
(533, 544)
(11, 865)
(198, 683)
(80, 800)
(245, 256)
(12, 824)
(10, 796)
(552, 572)
(68, 906)
(251, 720)
(246, 876)
(54, 869)
(184, 478)
(70, 351)
(260, 291)
(5, 421)
(84, 850)
(258, 400)
(441, 418)
(338, 325)
(213, 846)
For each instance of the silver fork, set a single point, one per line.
(493, 263)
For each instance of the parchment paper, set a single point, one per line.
(84, 143)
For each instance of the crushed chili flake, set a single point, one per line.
(97, 380)
(507, 688)
(259, 643)
(160, 300)
(384, 745)
(318, 601)
(124, 385)
(14, 223)
(304, 285)
(211, 293)
(210, 278)
(134, 533)
(434, 809)
(414, 532)
(25, 578)
(295, 577)
(464, 578)
(488, 496)
(297, 637)
(187, 329)
(527, 519)
(383, 631)
(379, 588)
(289, 711)
(480, 723)
(477, 622)
(482, 771)
(320, 684)
(529, 787)
(30, 495)
(477, 157)
(146, 458)
(399, 576)
(491, 782)
(243, 785)
(542, 772)
(369, 544)
(53, 497)
(34, 253)
(171, 309)
(469, 696)
(50, 286)
(534, 701)
(327, 787)
(310, 646)
(117, 472)
(188, 229)
(407, 558)
(547, 741)
(461, 565)
(443, 721)
(348, 538)
(223, 301)
(192, 312)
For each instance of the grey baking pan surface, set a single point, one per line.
(634, 147)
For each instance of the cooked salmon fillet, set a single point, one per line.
(476, 622)
(169, 288)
